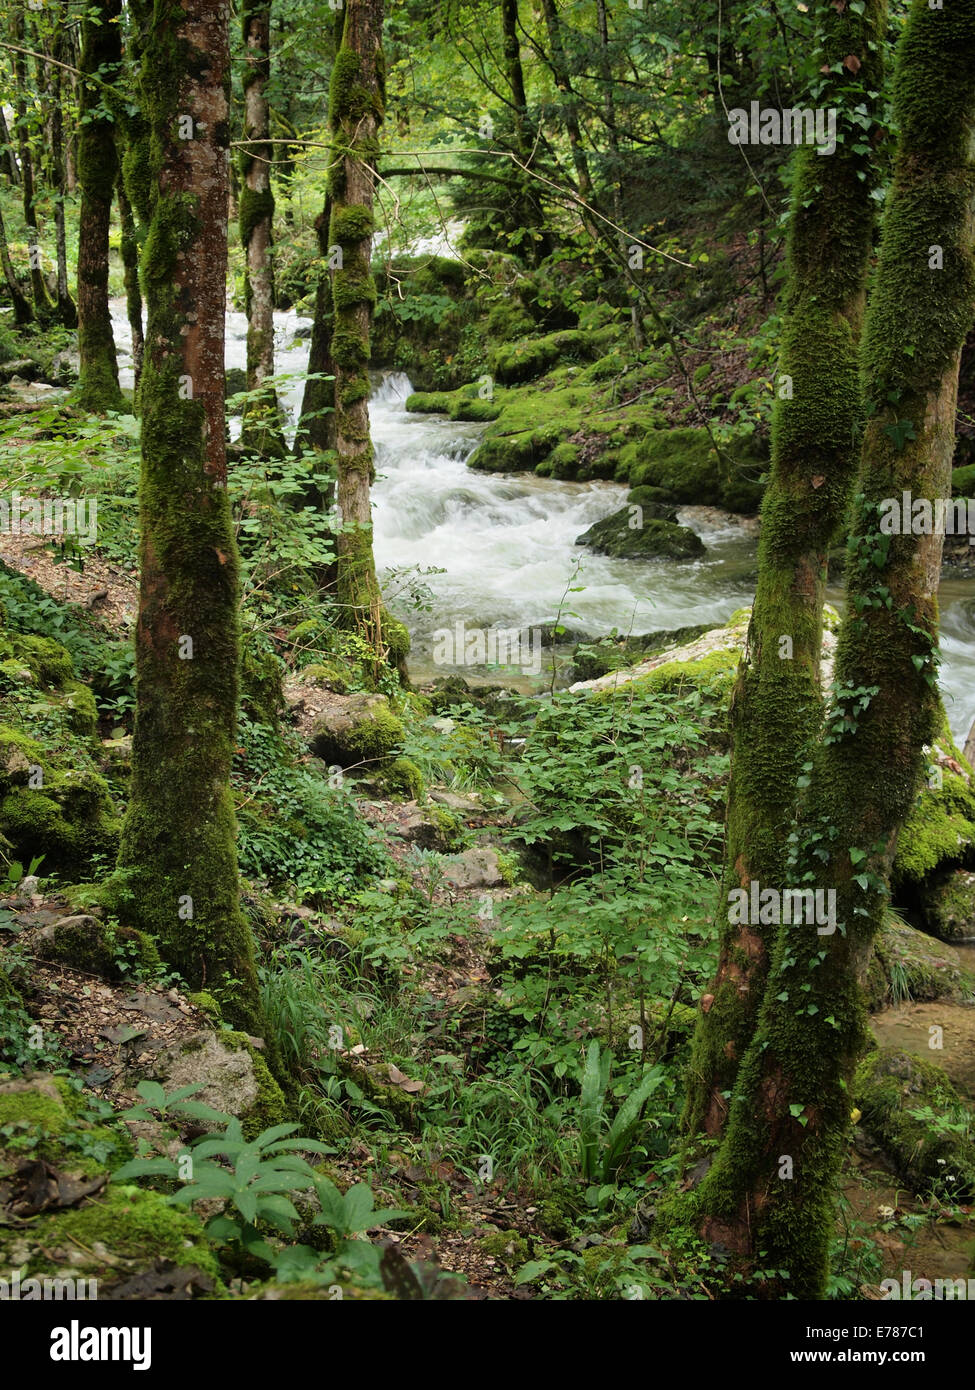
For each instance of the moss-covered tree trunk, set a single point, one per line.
(178, 853)
(776, 708)
(541, 242)
(770, 1191)
(356, 108)
(67, 312)
(43, 307)
(22, 307)
(7, 159)
(101, 56)
(133, 290)
(261, 425)
(317, 421)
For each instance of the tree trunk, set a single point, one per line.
(261, 426)
(133, 291)
(532, 213)
(560, 68)
(609, 117)
(67, 312)
(178, 855)
(317, 423)
(792, 1100)
(43, 307)
(101, 54)
(7, 153)
(23, 311)
(816, 429)
(356, 108)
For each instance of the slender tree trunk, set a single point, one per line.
(357, 101)
(7, 152)
(816, 428)
(570, 109)
(133, 291)
(769, 1193)
(178, 852)
(42, 300)
(317, 423)
(532, 213)
(98, 388)
(23, 310)
(67, 312)
(609, 117)
(261, 428)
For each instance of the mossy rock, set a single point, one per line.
(362, 729)
(963, 481)
(403, 779)
(901, 1098)
(48, 1113)
(429, 402)
(507, 1246)
(49, 662)
(81, 712)
(684, 463)
(66, 817)
(652, 539)
(121, 1233)
(111, 952)
(601, 655)
(261, 683)
(234, 1076)
(531, 358)
(940, 830)
(907, 964)
(949, 906)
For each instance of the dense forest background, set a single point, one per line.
(486, 808)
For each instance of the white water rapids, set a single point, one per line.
(506, 543)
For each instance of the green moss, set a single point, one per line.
(67, 819)
(80, 709)
(715, 673)
(50, 663)
(206, 1002)
(889, 1089)
(403, 778)
(684, 463)
(261, 675)
(134, 1224)
(941, 826)
(533, 357)
(112, 952)
(507, 1246)
(429, 402)
(256, 206)
(37, 1104)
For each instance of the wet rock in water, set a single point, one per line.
(632, 534)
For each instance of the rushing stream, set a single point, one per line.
(506, 543)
